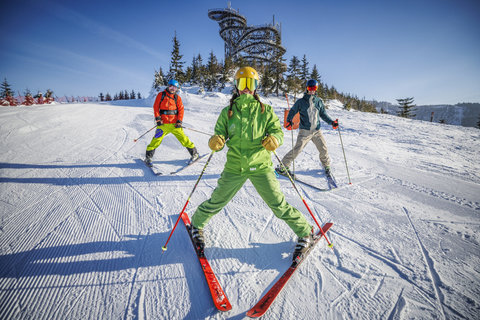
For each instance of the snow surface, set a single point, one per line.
(82, 220)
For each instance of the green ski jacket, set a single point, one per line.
(244, 133)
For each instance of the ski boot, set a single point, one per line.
(283, 172)
(303, 245)
(331, 180)
(148, 157)
(328, 172)
(193, 154)
(197, 237)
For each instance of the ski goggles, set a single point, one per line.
(312, 88)
(250, 83)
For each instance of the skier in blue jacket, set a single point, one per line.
(311, 109)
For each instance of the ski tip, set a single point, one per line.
(224, 307)
(255, 313)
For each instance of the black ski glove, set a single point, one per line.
(159, 121)
(178, 124)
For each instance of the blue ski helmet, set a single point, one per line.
(173, 82)
(312, 83)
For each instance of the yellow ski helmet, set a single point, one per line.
(246, 77)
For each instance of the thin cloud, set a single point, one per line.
(43, 62)
(79, 19)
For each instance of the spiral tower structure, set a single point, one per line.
(260, 42)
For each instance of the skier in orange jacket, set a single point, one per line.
(168, 111)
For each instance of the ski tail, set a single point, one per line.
(218, 296)
(189, 164)
(296, 179)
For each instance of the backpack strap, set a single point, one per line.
(175, 96)
(161, 99)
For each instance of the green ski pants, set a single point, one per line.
(266, 185)
(165, 129)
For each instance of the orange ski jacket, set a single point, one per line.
(170, 108)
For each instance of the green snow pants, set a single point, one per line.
(266, 185)
(165, 129)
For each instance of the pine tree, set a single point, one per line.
(267, 83)
(201, 71)
(108, 97)
(5, 89)
(227, 72)
(315, 74)
(406, 108)
(277, 68)
(213, 73)
(132, 95)
(332, 93)
(194, 75)
(294, 83)
(158, 81)
(101, 96)
(304, 70)
(188, 75)
(176, 63)
(198, 71)
(139, 96)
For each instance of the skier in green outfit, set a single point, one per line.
(251, 130)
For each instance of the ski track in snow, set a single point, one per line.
(81, 227)
(431, 268)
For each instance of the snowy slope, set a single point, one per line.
(82, 220)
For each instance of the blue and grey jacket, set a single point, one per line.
(311, 109)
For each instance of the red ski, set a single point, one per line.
(219, 298)
(262, 306)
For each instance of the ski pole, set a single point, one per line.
(208, 134)
(135, 140)
(301, 197)
(344, 157)
(164, 248)
(293, 162)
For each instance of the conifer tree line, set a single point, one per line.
(122, 95)
(7, 91)
(276, 76)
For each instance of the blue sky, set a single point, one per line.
(383, 50)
